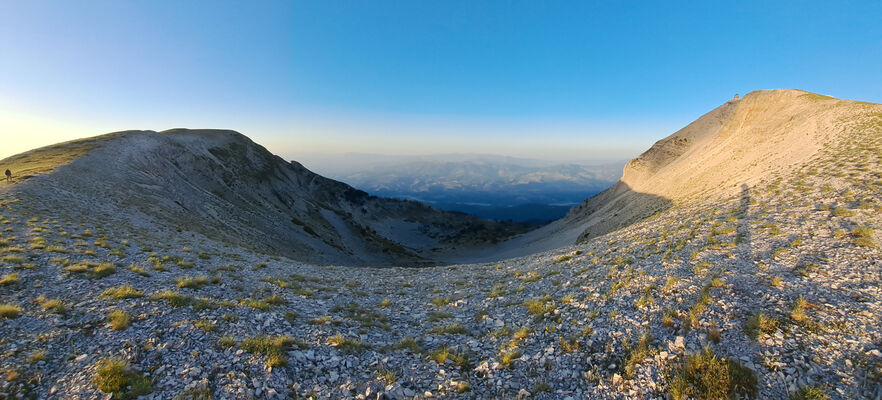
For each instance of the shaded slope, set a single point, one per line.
(224, 186)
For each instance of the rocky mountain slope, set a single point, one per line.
(769, 289)
(222, 185)
(743, 141)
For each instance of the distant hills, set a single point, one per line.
(494, 187)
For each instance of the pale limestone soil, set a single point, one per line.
(786, 237)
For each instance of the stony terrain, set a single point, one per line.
(223, 185)
(769, 291)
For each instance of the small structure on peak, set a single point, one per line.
(736, 97)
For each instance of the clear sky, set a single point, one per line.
(546, 79)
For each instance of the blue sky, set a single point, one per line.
(565, 80)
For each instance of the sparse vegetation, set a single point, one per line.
(636, 354)
(273, 347)
(814, 392)
(54, 306)
(192, 282)
(114, 376)
(122, 292)
(9, 279)
(119, 320)
(705, 376)
(760, 323)
(444, 353)
(9, 311)
(346, 344)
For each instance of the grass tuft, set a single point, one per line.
(122, 292)
(760, 324)
(810, 393)
(119, 320)
(9, 279)
(705, 376)
(115, 377)
(9, 311)
(273, 347)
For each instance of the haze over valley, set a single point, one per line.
(500, 188)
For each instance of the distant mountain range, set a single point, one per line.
(493, 187)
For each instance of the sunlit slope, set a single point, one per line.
(743, 141)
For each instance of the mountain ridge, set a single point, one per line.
(742, 141)
(229, 187)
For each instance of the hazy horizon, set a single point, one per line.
(580, 81)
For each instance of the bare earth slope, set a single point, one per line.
(771, 289)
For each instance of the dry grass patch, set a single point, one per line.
(192, 282)
(119, 320)
(273, 347)
(9, 311)
(705, 376)
(9, 279)
(122, 292)
(54, 306)
(760, 324)
(444, 353)
(114, 376)
(343, 343)
(863, 236)
(94, 269)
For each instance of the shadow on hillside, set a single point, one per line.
(616, 208)
(613, 209)
(743, 225)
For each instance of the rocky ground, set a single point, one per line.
(782, 281)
